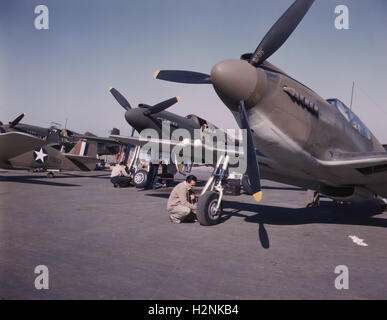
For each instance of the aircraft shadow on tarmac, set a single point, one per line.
(75, 175)
(43, 180)
(36, 180)
(327, 213)
(355, 214)
(158, 195)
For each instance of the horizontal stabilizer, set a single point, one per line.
(84, 163)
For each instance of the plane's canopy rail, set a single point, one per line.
(351, 117)
(204, 124)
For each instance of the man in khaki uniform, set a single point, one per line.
(178, 206)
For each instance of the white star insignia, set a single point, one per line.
(40, 155)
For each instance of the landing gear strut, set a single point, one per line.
(209, 207)
(315, 200)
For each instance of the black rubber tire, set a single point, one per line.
(246, 185)
(204, 213)
(50, 175)
(140, 179)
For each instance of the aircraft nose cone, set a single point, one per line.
(236, 79)
(129, 116)
(132, 117)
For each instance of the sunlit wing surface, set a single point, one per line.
(140, 141)
(13, 144)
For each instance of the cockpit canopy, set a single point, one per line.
(201, 122)
(351, 118)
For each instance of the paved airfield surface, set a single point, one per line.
(104, 243)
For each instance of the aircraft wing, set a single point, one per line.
(84, 163)
(363, 168)
(13, 144)
(194, 145)
(357, 160)
(99, 140)
(135, 141)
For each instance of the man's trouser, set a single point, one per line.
(123, 182)
(180, 212)
(152, 175)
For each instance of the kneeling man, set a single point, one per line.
(119, 177)
(181, 202)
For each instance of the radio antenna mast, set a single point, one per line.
(353, 88)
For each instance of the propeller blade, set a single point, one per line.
(161, 106)
(17, 120)
(133, 130)
(280, 31)
(120, 98)
(252, 171)
(183, 76)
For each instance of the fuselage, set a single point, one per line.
(21, 150)
(291, 124)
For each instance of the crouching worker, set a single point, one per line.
(119, 177)
(182, 201)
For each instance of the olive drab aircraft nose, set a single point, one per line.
(236, 79)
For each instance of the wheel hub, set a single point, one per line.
(139, 178)
(213, 212)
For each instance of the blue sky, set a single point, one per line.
(64, 72)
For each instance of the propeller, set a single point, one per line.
(149, 110)
(252, 170)
(280, 31)
(179, 76)
(120, 98)
(272, 41)
(161, 106)
(17, 120)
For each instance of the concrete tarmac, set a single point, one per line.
(104, 243)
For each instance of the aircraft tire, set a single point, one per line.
(206, 209)
(140, 179)
(246, 185)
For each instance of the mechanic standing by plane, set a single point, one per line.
(182, 201)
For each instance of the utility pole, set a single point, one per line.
(353, 87)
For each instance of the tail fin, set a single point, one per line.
(84, 148)
(84, 155)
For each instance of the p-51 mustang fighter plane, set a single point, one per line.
(24, 146)
(155, 117)
(303, 139)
